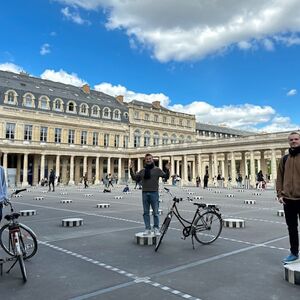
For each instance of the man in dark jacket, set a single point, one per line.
(149, 176)
(51, 180)
(288, 192)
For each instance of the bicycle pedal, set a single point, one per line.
(183, 237)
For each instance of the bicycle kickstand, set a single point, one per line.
(193, 242)
(12, 266)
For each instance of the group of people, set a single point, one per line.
(287, 187)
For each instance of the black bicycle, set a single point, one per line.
(17, 240)
(205, 227)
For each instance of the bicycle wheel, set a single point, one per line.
(208, 227)
(22, 267)
(163, 230)
(27, 238)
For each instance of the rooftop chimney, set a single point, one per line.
(156, 104)
(120, 98)
(86, 88)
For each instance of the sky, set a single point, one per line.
(229, 62)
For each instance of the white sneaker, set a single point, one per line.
(156, 231)
(147, 232)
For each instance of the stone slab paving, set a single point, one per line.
(101, 260)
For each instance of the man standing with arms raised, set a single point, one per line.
(288, 192)
(149, 177)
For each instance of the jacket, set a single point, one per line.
(288, 178)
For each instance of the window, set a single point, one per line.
(43, 102)
(173, 121)
(165, 119)
(146, 139)
(181, 139)
(137, 138)
(125, 141)
(71, 136)
(165, 139)
(126, 115)
(106, 113)
(136, 115)
(10, 131)
(95, 111)
(84, 109)
(83, 140)
(28, 100)
(11, 97)
(43, 134)
(117, 114)
(117, 141)
(155, 118)
(188, 123)
(71, 107)
(173, 139)
(95, 138)
(147, 117)
(57, 135)
(58, 105)
(28, 132)
(189, 139)
(106, 140)
(156, 139)
(180, 122)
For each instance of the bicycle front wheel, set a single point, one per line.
(22, 267)
(208, 227)
(163, 230)
(27, 238)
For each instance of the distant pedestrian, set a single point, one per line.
(205, 180)
(51, 180)
(85, 180)
(198, 181)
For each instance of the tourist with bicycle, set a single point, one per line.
(3, 190)
(149, 177)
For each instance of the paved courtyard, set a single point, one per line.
(101, 260)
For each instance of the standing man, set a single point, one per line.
(51, 180)
(149, 177)
(205, 180)
(3, 189)
(85, 180)
(288, 192)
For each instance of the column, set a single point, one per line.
(226, 168)
(64, 171)
(42, 169)
(233, 169)
(18, 179)
(84, 165)
(215, 169)
(252, 170)
(199, 166)
(119, 169)
(185, 169)
(90, 168)
(210, 169)
(36, 163)
(172, 165)
(57, 165)
(108, 165)
(223, 168)
(5, 162)
(246, 167)
(71, 181)
(138, 164)
(242, 169)
(194, 169)
(263, 163)
(25, 170)
(160, 162)
(177, 168)
(273, 164)
(97, 178)
(258, 165)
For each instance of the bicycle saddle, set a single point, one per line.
(12, 216)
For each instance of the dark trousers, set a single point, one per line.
(292, 213)
(51, 183)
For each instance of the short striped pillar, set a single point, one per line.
(292, 272)
(229, 195)
(280, 213)
(249, 201)
(27, 212)
(241, 190)
(145, 240)
(217, 192)
(118, 197)
(64, 193)
(233, 223)
(103, 205)
(191, 193)
(72, 222)
(88, 195)
(38, 198)
(256, 194)
(19, 196)
(66, 201)
(198, 197)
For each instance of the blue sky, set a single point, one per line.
(238, 67)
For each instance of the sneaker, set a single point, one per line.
(147, 232)
(290, 258)
(156, 231)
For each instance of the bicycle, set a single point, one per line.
(205, 227)
(16, 239)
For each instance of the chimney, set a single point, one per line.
(86, 88)
(156, 104)
(120, 98)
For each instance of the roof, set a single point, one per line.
(221, 129)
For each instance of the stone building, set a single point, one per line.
(76, 130)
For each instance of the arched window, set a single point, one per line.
(165, 139)
(117, 114)
(71, 107)
(173, 139)
(95, 110)
(28, 100)
(137, 138)
(11, 97)
(181, 139)
(106, 113)
(155, 139)
(126, 115)
(146, 138)
(84, 109)
(44, 102)
(58, 105)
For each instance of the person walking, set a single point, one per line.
(109, 180)
(198, 181)
(51, 180)
(85, 180)
(149, 176)
(205, 180)
(3, 190)
(288, 192)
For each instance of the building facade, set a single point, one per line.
(47, 125)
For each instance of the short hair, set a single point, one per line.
(148, 154)
(292, 133)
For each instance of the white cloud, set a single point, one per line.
(63, 77)
(190, 30)
(73, 16)
(11, 68)
(292, 92)
(115, 90)
(280, 123)
(45, 49)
